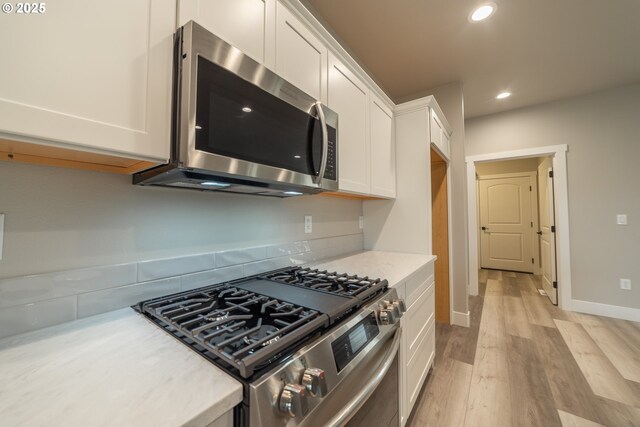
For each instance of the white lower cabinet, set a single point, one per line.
(417, 347)
(91, 76)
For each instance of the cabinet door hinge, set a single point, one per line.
(532, 261)
(550, 174)
(555, 285)
(531, 224)
(530, 188)
(553, 228)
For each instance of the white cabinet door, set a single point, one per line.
(348, 97)
(383, 153)
(438, 133)
(245, 24)
(301, 57)
(90, 75)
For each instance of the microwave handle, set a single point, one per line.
(325, 142)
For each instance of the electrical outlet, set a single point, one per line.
(308, 224)
(625, 284)
(1, 233)
(361, 222)
(621, 219)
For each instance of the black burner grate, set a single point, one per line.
(241, 327)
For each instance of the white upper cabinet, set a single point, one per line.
(348, 97)
(244, 24)
(301, 57)
(383, 153)
(90, 75)
(439, 136)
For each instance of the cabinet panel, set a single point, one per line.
(79, 80)
(383, 155)
(418, 366)
(241, 23)
(436, 129)
(301, 58)
(348, 97)
(418, 317)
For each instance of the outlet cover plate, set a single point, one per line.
(625, 284)
(361, 222)
(621, 219)
(308, 224)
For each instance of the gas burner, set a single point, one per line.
(264, 332)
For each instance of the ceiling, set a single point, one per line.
(540, 50)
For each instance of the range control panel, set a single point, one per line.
(349, 344)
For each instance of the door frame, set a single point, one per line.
(453, 319)
(558, 153)
(535, 243)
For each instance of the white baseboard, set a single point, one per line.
(626, 313)
(460, 319)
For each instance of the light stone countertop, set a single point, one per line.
(393, 266)
(119, 369)
(115, 369)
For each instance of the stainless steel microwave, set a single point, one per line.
(239, 127)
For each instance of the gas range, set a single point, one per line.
(272, 324)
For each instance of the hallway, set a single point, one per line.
(524, 362)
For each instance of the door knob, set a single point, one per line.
(539, 233)
(485, 229)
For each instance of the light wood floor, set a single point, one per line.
(524, 362)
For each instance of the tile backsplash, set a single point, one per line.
(33, 302)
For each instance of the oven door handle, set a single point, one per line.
(325, 143)
(356, 403)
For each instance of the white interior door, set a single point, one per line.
(506, 223)
(546, 235)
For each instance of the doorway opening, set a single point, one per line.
(548, 229)
(516, 217)
(440, 235)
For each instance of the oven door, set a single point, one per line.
(368, 396)
(239, 119)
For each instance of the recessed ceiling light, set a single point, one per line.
(247, 109)
(503, 95)
(483, 12)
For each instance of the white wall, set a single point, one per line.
(58, 219)
(507, 166)
(602, 131)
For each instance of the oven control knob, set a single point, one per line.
(387, 317)
(395, 308)
(293, 401)
(315, 382)
(401, 305)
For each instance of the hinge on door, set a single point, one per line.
(532, 261)
(550, 174)
(555, 285)
(530, 188)
(531, 224)
(553, 228)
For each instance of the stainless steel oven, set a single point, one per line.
(239, 127)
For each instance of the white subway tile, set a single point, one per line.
(211, 277)
(240, 256)
(266, 265)
(171, 267)
(29, 317)
(24, 290)
(112, 299)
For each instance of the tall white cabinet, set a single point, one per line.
(241, 23)
(90, 75)
(349, 97)
(301, 57)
